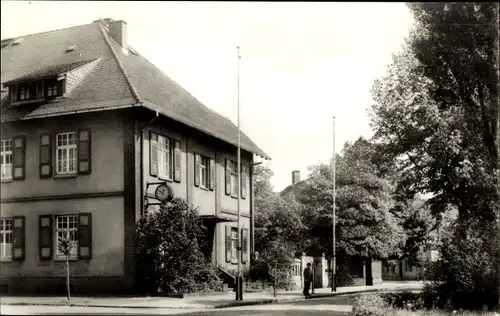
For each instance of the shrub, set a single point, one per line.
(466, 276)
(277, 254)
(168, 252)
(404, 300)
(371, 305)
(343, 276)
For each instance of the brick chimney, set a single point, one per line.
(295, 176)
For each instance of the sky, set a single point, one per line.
(301, 62)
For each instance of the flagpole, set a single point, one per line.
(239, 290)
(334, 261)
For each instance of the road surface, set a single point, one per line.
(332, 306)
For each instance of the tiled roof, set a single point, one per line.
(129, 80)
(50, 71)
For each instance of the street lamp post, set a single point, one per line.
(334, 261)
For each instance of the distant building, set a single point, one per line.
(90, 128)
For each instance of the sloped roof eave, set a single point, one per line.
(154, 107)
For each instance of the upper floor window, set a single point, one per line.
(204, 172)
(164, 157)
(66, 153)
(67, 228)
(6, 158)
(234, 178)
(53, 88)
(26, 91)
(6, 238)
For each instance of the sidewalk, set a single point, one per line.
(204, 302)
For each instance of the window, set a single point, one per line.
(164, 157)
(52, 90)
(66, 153)
(6, 238)
(234, 244)
(6, 158)
(234, 178)
(25, 92)
(204, 172)
(67, 227)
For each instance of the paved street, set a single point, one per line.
(336, 306)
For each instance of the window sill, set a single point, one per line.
(165, 178)
(62, 259)
(6, 180)
(233, 196)
(6, 260)
(65, 176)
(203, 188)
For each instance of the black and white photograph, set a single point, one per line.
(250, 158)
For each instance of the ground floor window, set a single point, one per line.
(234, 244)
(67, 227)
(6, 238)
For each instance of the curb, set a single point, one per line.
(300, 299)
(218, 306)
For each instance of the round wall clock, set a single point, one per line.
(163, 192)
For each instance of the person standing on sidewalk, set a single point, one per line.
(307, 279)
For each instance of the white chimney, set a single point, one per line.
(118, 31)
(295, 177)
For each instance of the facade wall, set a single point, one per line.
(107, 238)
(214, 203)
(107, 163)
(100, 193)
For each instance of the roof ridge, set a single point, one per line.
(108, 40)
(47, 32)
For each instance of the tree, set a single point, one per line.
(66, 246)
(366, 227)
(168, 252)
(436, 109)
(275, 217)
(436, 113)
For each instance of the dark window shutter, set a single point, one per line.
(84, 151)
(19, 158)
(45, 237)
(244, 181)
(197, 163)
(19, 243)
(13, 93)
(177, 160)
(228, 244)
(228, 176)
(153, 154)
(45, 155)
(244, 245)
(212, 174)
(84, 236)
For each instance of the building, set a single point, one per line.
(360, 272)
(90, 128)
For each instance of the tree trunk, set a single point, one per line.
(67, 278)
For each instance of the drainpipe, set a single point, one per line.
(142, 160)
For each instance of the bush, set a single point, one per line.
(467, 275)
(277, 254)
(404, 300)
(371, 305)
(169, 259)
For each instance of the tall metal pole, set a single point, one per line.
(239, 294)
(498, 142)
(334, 261)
